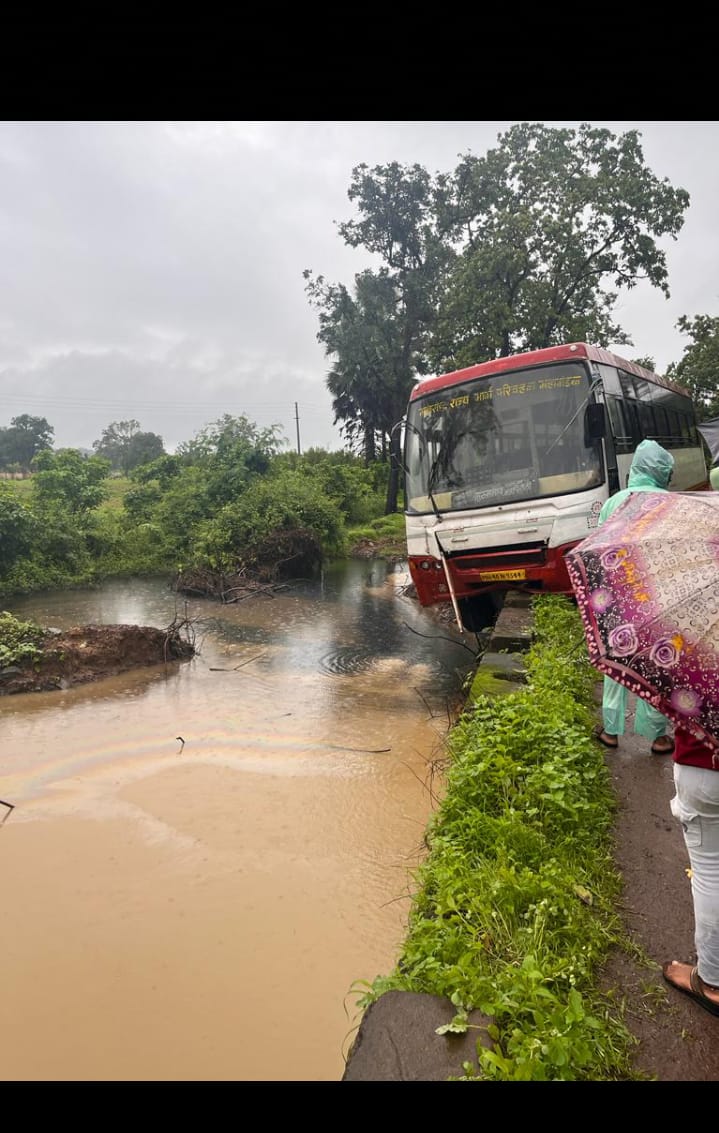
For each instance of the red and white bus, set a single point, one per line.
(508, 463)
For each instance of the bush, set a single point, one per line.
(344, 478)
(287, 501)
(17, 528)
(19, 641)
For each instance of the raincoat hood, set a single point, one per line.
(652, 466)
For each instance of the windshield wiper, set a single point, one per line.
(595, 385)
(431, 484)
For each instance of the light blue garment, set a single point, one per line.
(696, 806)
(647, 721)
(651, 471)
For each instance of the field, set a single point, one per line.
(20, 487)
(116, 486)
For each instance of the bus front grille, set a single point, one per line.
(501, 558)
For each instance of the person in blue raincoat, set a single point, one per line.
(651, 471)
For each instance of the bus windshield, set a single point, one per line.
(494, 440)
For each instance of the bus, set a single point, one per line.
(507, 465)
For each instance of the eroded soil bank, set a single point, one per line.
(86, 653)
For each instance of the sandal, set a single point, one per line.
(599, 735)
(695, 990)
(662, 750)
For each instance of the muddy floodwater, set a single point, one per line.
(203, 860)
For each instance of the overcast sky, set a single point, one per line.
(154, 270)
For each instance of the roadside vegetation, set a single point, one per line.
(516, 902)
(384, 536)
(226, 503)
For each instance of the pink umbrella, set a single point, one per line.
(647, 588)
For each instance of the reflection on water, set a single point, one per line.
(176, 908)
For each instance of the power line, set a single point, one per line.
(169, 406)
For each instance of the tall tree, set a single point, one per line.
(26, 437)
(142, 448)
(376, 336)
(125, 445)
(361, 333)
(698, 369)
(551, 223)
(115, 440)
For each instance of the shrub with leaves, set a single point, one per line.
(20, 642)
(16, 528)
(288, 501)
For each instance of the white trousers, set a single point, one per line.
(696, 806)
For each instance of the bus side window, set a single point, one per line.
(646, 419)
(632, 414)
(620, 428)
(660, 416)
(675, 431)
(627, 385)
(686, 429)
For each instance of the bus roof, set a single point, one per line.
(565, 353)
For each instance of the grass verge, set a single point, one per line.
(516, 904)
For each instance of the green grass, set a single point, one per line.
(384, 526)
(22, 488)
(116, 487)
(517, 899)
(389, 530)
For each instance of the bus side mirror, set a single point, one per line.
(595, 423)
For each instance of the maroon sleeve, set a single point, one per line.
(688, 749)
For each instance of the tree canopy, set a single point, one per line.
(377, 337)
(126, 447)
(525, 247)
(550, 225)
(26, 437)
(698, 370)
(68, 480)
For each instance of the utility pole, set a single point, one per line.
(297, 421)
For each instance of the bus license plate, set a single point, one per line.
(502, 575)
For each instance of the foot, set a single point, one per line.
(663, 746)
(607, 739)
(686, 978)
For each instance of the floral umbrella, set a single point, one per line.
(647, 587)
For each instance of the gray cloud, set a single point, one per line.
(154, 270)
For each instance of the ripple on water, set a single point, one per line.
(346, 661)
